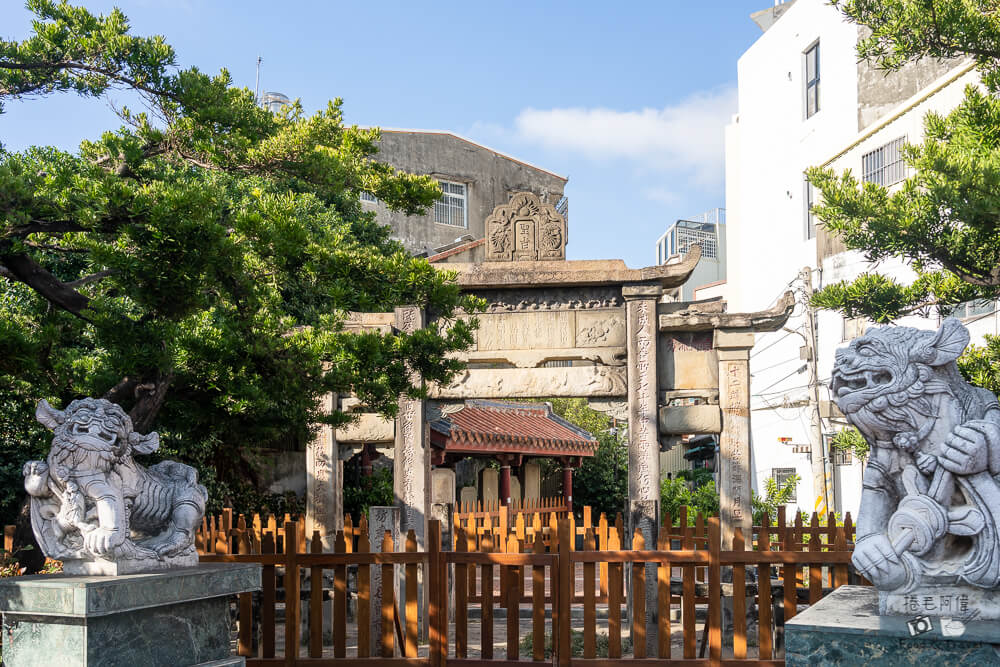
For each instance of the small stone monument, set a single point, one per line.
(132, 591)
(928, 532)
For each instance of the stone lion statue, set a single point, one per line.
(928, 533)
(97, 510)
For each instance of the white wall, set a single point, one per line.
(768, 146)
(907, 120)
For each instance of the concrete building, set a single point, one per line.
(804, 100)
(709, 231)
(475, 180)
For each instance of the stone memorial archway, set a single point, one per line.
(578, 328)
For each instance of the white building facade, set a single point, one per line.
(796, 111)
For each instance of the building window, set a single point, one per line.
(780, 477)
(884, 165)
(451, 208)
(809, 200)
(812, 80)
(368, 197)
(842, 457)
(972, 309)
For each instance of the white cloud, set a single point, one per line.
(661, 195)
(686, 137)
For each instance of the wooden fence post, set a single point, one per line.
(739, 599)
(563, 647)
(714, 593)
(291, 593)
(316, 600)
(388, 611)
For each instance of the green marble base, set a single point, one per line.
(845, 628)
(174, 617)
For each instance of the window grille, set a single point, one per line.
(812, 80)
(687, 236)
(451, 208)
(884, 165)
(558, 363)
(780, 477)
(368, 197)
(842, 457)
(809, 199)
(972, 308)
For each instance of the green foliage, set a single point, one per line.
(775, 495)
(980, 364)
(601, 643)
(602, 480)
(694, 489)
(196, 264)
(944, 219)
(365, 492)
(851, 440)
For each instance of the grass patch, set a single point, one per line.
(576, 643)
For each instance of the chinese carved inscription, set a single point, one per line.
(525, 229)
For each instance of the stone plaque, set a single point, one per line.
(525, 229)
(526, 331)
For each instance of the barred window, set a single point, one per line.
(368, 197)
(451, 208)
(781, 475)
(972, 308)
(812, 80)
(842, 457)
(884, 165)
(809, 199)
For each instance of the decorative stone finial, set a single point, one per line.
(525, 229)
(97, 510)
(928, 531)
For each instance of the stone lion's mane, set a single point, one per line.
(68, 453)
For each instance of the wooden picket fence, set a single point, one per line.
(552, 569)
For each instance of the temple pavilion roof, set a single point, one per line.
(494, 427)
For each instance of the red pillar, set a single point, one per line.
(568, 484)
(505, 483)
(366, 461)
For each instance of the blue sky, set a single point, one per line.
(628, 100)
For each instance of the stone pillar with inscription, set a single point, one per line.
(734, 443)
(411, 471)
(643, 445)
(411, 467)
(324, 484)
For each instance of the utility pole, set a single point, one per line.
(817, 452)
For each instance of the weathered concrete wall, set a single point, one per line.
(879, 92)
(490, 178)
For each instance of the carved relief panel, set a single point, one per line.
(525, 229)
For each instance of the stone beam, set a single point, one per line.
(601, 356)
(695, 318)
(574, 273)
(585, 381)
(368, 428)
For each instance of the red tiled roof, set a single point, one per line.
(469, 245)
(520, 428)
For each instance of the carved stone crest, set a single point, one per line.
(525, 229)
(100, 512)
(929, 526)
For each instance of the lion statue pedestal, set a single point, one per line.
(132, 592)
